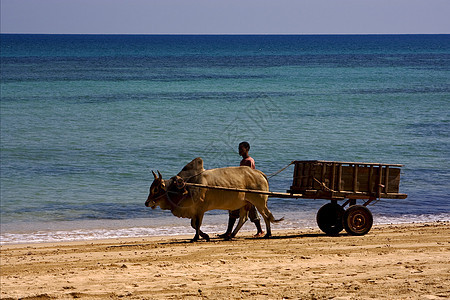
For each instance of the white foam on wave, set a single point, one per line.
(181, 228)
(403, 219)
(89, 234)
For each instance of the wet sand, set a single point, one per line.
(410, 261)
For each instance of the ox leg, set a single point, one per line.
(265, 213)
(196, 223)
(268, 229)
(204, 235)
(243, 216)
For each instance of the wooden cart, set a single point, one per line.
(350, 181)
(335, 181)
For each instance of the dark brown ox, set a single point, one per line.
(193, 202)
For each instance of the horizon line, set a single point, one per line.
(226, 34)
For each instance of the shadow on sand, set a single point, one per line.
(237, 239)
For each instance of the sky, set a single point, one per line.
(225, 16)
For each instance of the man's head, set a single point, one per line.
(244, 147)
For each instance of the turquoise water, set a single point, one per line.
(85, 118)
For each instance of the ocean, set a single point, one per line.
(86, 118)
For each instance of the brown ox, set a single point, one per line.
(193, 202)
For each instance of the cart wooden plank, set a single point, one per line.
(346, 162)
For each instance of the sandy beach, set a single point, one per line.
(410, 261)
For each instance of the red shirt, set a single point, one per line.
(250, 162)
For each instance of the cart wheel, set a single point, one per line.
(329, 218)
(358, 220)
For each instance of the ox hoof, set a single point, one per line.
(230, 237)
(267, 236)
(224, 235)
(204, 236)
(259, 235)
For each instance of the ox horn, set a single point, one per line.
(154, 175)
(160, 176)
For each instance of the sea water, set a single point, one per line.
(86, 118)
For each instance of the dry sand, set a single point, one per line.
(390, 262)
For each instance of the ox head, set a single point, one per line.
(158, 191)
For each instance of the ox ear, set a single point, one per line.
(160, 176)
(154, 175)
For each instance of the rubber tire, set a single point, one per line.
(357, 220)
(329, 218)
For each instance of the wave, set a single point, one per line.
(88, 234)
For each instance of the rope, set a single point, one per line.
(379, 196)
(323, 185)
(279, 171)
(189, 178)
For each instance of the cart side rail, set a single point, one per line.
(338, 180)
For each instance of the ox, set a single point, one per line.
(193, 202)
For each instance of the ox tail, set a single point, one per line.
(272, 218)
